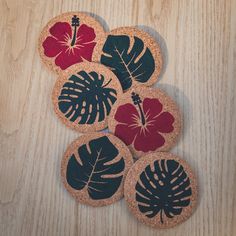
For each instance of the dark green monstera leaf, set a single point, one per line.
(166, 190)
(128, 62)
(86, 97)
(94, 169)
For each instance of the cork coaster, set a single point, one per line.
(94, 167)
(146, 119)
(70, 38)
(133, 55)
(161, 190)
(84, 94)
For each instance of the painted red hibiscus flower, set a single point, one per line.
(143, 123)
(69, 44)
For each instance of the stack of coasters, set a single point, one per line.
(69, 39)
(102, 80)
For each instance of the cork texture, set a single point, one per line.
(82, 195)
(110, 82)
(66, 17)
(168, 105)
(130, 192)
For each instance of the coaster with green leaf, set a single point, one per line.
(133, 55)
(84, 94)
(94, 167)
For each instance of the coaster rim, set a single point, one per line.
(145, 161)
(123, 151)
(44, 33)
(63, 77)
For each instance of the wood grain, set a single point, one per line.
(198, 38)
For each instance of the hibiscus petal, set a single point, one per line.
(85, 34)
(86, 51)
(148, 141)
(151, 107)
(126, 133)
(164, 122)
(52, 47)
(67, 58)
(126, 114)
(61, 30)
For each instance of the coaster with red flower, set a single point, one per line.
(146, 119)
(70, 38)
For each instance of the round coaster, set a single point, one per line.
(94, 167)
(84, 94)
(133, 55)
(161, 190)
(146, 120)
(70, 38)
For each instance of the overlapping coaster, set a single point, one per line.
(146, 119)
(133, 55)
(94, 167)
(161, 190)
(84, 94)
(69, 39)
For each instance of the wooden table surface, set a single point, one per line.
(198, 39)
